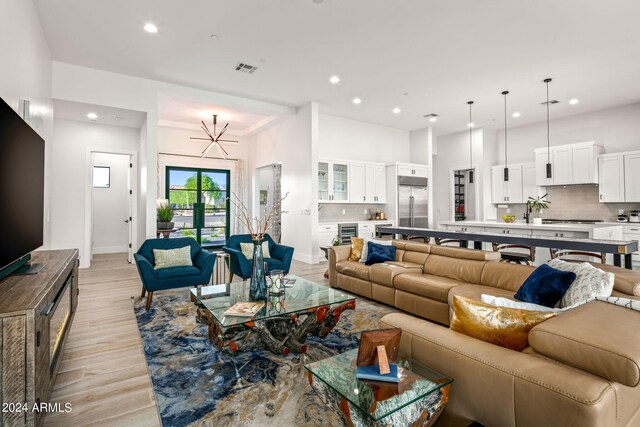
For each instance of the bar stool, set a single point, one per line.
(515, 256)
(563, 253)
(444, 242)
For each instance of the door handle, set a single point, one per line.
(126, 221)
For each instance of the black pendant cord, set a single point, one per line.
(470, 144)
(506, 164)
(547, 81)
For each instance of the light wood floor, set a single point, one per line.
(103, 373)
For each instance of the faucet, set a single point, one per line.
(528, 212)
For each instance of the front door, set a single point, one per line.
(201, 209)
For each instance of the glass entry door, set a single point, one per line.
(199, 199)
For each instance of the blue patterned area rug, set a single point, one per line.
(197, 385)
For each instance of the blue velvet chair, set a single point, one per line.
(173, 277)
(281, 256)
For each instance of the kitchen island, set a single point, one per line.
(618, 248)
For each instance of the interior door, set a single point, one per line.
(130, 207)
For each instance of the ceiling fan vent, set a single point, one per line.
(552, 102)
(431, 115)
(245, 68)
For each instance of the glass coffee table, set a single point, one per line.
(417, 399)
(281, 326)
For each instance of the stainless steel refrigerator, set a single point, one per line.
(413, 201)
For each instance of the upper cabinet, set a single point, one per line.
(570, 164)
(619, 177)
(333, 181)
(511, 191)
(351, 182)
(413, 170)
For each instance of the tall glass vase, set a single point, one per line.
(258, 284)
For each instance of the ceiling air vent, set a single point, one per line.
(553, 101)
(245, 68)
(431, 115)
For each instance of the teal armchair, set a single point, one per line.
(239, 265)
(174, 277)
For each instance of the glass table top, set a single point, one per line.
(377, 399)
(299, 295)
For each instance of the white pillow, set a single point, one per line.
(168, 258)
(590, 282)
(506, 302)
(247, 250)
(365, 246)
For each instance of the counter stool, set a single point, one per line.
(444, 242)
(563, 253)
(515, 256)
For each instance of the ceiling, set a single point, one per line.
(423, 56)
(106, 115)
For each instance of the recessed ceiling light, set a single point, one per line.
(433, 119)
(214, 37)
(574, 101)
(396, 110)
(118, 118)
(92, 116)
(516, 114)
(470, 125)
(357, 101)
(334, 80)
(150, 28)
(317, 1)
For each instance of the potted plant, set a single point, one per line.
(164, 215)
(538, 205)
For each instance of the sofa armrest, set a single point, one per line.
(238, 263)
(337, 254)
(145, 269)
(204, 261)
(284, 254)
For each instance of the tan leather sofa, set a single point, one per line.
(582, 367)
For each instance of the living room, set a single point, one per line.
(325, 124)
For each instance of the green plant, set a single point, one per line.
(539, 203)
(164, 211)
(188, 233)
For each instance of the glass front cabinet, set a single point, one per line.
(333, 181)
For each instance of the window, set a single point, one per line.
(101, 177)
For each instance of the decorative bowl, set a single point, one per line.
(508, 218)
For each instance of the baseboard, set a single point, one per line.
(110, 249)
(306, 258)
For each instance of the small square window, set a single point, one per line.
(101, 177)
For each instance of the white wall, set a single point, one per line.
(25, 74)
(293, 142)
(111, 205)
(618, 129)
(69, 176)
(342, 138)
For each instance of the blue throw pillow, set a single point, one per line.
(545, 286)
(380, 253)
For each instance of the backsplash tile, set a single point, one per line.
(575, 202)
(352, 212)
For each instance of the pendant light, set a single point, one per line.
(506, 167)
(547, 81)
(470, 144)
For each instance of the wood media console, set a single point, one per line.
(36, 313)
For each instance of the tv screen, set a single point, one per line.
(21, 187)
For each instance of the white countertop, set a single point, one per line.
(366, 221)
(523, 225)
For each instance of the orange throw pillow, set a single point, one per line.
(356, 249)
(506, 327)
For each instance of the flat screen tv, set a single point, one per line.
(21, 190)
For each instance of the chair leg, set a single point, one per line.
(149, 298)
(144, 291)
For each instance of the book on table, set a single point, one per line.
(372, 373)
(244, 309)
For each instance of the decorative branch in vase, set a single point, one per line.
(257, 228)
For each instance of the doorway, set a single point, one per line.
(269, 189)
(199, 199)
(464, 189)
(111, 200)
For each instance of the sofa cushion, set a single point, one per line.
(475, 291)
(464, 253)
(167, 258)
(626, 281)
(380, 253)
(353, 269)
(506, 327)
(505, 275)
(174, 272)
(463, 270)
(365, 246)
(383, 274)
(583, 338)
(590, 282)
(356, 249)
(426, 285)
(415, 257)
(545, 286)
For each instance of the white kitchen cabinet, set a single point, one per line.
(467, 228)
(413, 170)
(333, 181)
(632, 177)
(632, 232)
(376, 183)
(560, 233)
(529, 187)
(366, 229)
(506, 191)
(570, 164)
(326, 234)
(358, 182)
(510, 231)
(612, 178)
